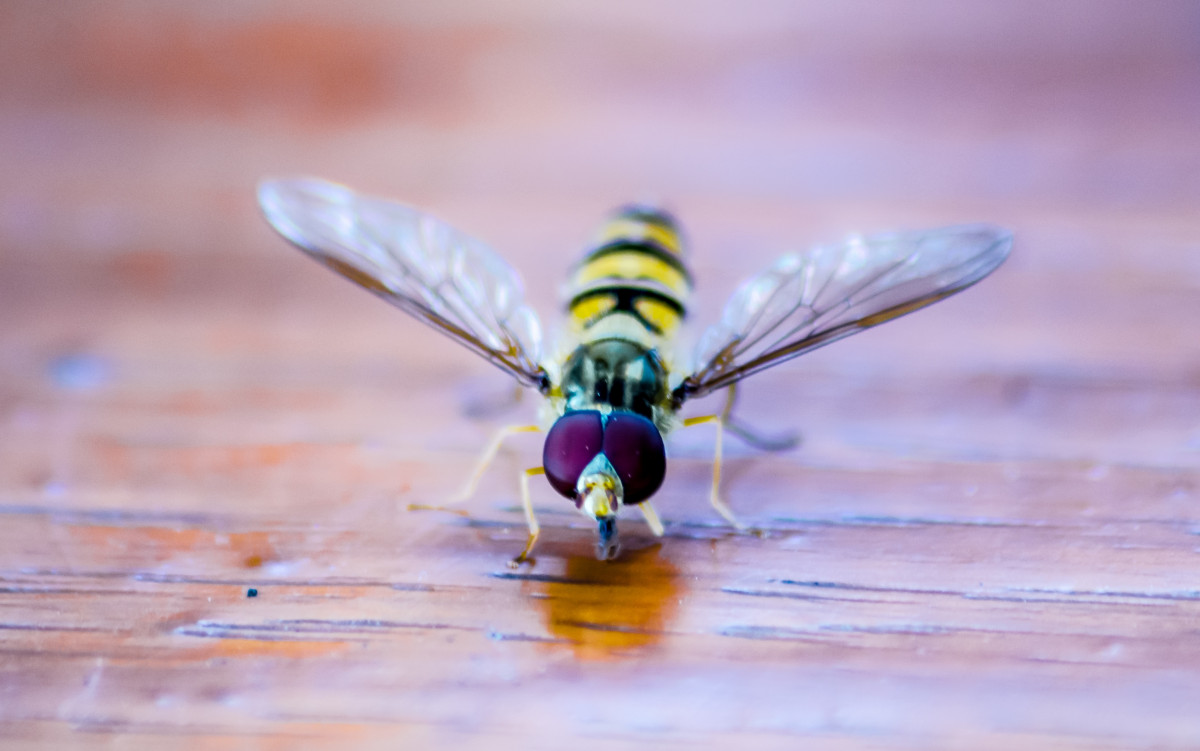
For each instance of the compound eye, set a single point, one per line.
(635, 449)
(573, 441)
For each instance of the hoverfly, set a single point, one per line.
(615, 388)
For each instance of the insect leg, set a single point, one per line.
(652, 520)
(778, 442)
(485, 460)
(753, 438)
(714, 497)
(530, 517)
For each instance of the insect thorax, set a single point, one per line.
(617, 374)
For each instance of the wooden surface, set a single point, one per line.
(989, 538)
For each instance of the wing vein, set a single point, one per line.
(776, 316)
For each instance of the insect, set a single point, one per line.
(615, 386)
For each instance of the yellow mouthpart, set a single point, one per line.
(600, 501)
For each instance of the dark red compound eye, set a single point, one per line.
(573, 441)
(635, 448)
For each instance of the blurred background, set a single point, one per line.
(133, 134)
(188, 406)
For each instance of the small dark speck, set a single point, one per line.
(252, 592)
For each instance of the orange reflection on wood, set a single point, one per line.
(608, 608)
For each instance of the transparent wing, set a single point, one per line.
(416, 262)
(806, 301)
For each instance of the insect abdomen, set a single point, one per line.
(634, 283)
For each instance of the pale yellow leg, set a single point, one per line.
(652, 520)
(530, 517)
(485, 460)
(714, 497)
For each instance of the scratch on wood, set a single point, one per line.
(749, 592)
(143, 728)
(609, 627)
(42, 627)
(296, 629)
(332, 582)
(899, 629)
(414, 587)
(108, 516)
(1007, 594)
(35, 590)
(546, 578)
(870, 520)
(773, 633)
(1186, 595)
(498, 636)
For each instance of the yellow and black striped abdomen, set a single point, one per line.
(634, 283)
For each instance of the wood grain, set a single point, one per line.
(988, 538)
